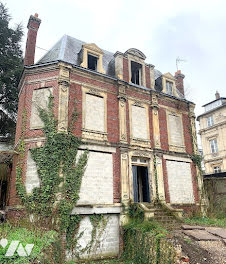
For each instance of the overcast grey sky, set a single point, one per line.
(194, 30)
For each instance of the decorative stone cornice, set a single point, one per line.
(93, 47)
(93, 91)
(137, 103)
(136, 53)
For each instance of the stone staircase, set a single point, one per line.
(163, 213)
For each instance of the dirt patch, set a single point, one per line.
(217, 250)
(195, 253)
(203, 251)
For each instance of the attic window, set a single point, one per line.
(92, 62)
(136, 72)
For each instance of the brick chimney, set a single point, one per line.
(180, 81)
(33, 26)
(217, 95)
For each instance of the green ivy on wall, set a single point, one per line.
(59, 173)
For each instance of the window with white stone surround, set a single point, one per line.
(175, 130)
(97, 181)
(94, 113)
(213, 145)
(40, 98)
(139, 122)
(180, 182)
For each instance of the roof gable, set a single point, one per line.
(93, 47)
(136, 52)
(168, 75)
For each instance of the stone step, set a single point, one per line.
(149, 205)
(165, 218)
(162, 213)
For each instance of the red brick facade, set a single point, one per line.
(46, 76)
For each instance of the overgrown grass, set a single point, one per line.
(206, 221)
(40, 238)
(150, 226)
(112, 261)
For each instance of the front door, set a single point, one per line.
(141, 190)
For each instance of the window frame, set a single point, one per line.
(172, 146)
(210, 121)
(97, 62)
(139, 141)
(170, 92)
(213, 146)
(34, 108)
(95, 51)
(132, 58)
(88, 133)
(139, 72)
(168, 77)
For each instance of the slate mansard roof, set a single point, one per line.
(67, 49)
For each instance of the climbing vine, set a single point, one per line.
(59, 173)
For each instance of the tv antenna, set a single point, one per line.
(178, 60)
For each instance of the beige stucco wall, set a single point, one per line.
(218, 132)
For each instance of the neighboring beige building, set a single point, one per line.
(213, 135)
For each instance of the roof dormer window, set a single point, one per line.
(92, 57)
(168, 83)
(136, 66)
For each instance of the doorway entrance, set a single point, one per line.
(141, 190)
(4, 173)
(3, 190)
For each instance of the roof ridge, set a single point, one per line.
(49, 50)
(63, 46)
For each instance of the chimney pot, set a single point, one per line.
(217, 95)
(179, 81)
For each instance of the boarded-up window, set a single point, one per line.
(139, 122)
(40, 98)
(97, 182)
(175, 130)
(180, 182)
(94, 113)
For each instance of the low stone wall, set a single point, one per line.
(216, 193)
(147, 248)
